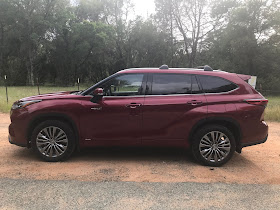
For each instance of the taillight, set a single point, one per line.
(258, 102)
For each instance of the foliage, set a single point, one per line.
(56, 41)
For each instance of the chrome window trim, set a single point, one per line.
(205, 94)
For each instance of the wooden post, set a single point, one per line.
(78, 81)
(5, 77)
(38, 86)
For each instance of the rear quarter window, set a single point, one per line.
(212, 84)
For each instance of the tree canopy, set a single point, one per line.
(58, 41)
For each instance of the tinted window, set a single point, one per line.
(124, 85)
(195, 86)
(166, 84)
(212, 84)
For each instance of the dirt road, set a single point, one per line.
(256, 165)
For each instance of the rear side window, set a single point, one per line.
(169, 84)
(212, 84)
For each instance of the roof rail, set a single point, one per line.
(164, 67)
(205, 68)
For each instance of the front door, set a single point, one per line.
(117, 118)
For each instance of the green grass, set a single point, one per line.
(272, 112)
(16, 93)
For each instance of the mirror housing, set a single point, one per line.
(97, 95)
(98, 92)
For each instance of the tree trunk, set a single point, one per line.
(1, 50)
(30, 72)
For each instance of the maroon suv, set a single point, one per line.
(212, 112)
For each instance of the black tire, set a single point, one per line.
(63, 144)
(213, 154)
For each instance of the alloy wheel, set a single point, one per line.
(52, 141)
(215, 146)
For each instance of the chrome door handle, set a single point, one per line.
(133, 105)
(96, 108)
(194, 102)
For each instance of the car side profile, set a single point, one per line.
(214, 113)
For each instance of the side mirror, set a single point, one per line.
(97, 95)
(98, 92)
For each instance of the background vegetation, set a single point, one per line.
(57, 41)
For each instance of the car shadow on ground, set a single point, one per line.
(118, 154)
(134, 154)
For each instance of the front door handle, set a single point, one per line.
(133, 105)
(194, 102)
(96, 108)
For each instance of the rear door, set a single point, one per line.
(173, 104)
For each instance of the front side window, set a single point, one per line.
(211, 84)
(168, 84)
(124, 85)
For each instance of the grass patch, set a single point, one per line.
(16, 93)
(272, 112)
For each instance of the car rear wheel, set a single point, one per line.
(53, 140)
(213, 145)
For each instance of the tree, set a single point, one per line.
(193, 21)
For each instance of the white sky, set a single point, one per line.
(144, 7)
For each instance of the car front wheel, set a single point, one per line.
(53, 140)
(213, 145)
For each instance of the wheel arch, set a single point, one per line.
(52, 116)
(228, 122)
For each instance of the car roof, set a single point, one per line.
(179, 71)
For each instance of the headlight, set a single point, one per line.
(22, 104)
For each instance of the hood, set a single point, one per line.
(50, 96)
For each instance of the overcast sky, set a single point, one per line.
(144, 7)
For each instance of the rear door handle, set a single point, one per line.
(194, 102)
(133, 105)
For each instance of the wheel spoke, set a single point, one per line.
(56, 151)
(62, 137)
(48, 149)
(42, 143)
(62, 141)
(60, 133)
(221, 153)
(210, 155)
(59, 149)
(46, 132)
(219, 136)
(51, 151)
(215, 156)
(53, 132)
(206, 140)
(213, 136)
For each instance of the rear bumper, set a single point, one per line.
(254, 143)
(256, 134)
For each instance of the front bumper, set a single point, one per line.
(17, 135)
(11, 140)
